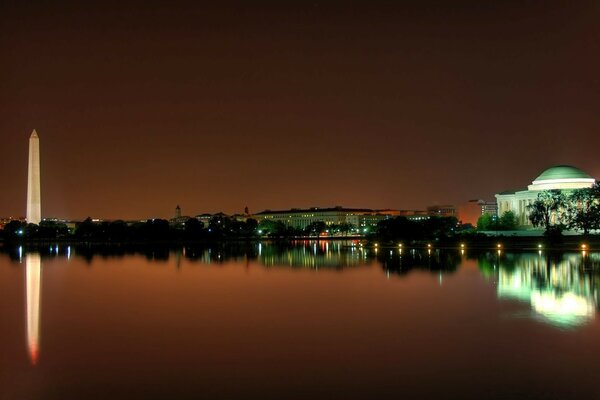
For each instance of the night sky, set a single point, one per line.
(143, 106)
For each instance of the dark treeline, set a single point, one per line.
(402, 262)
(446, 231)
(269, 254)
(402, 229)
(154, 230)
(220, 227)
(278, 229)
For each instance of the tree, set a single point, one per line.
(315, 228)
(193, 229)
(14, 229)
(344, 228)
(267, 227)
(488, 222)
(220, 225)
(250, 227)
(548, 211)
(399, 228)
(156, 229)
(508, 221)
(439, 227)
(484, 222)
(584, 209)
(276, 229)
(86, 229)
(52, 229)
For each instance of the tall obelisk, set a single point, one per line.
(34, 200)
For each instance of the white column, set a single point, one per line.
(34, 201)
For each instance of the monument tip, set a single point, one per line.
(34, 134)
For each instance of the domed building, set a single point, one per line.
(562, 177)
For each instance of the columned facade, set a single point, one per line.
(561, 177)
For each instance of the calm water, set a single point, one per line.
(317, 320)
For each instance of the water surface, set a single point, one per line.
(314, 320)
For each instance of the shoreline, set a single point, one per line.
(504, 243)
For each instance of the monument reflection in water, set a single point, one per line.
(33, 279)
(561, 289)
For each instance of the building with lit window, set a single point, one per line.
(360, 218)
(561, 177)
(470, 212)
(441, 211)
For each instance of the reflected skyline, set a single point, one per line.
(257, 308)
(562, 290)
(33, 272)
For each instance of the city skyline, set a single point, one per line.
(143, 107)
(34, 214)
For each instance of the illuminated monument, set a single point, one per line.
(560, 177)
(34, 201)
(33, 274)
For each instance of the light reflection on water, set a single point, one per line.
(560, 291)
(33, 272)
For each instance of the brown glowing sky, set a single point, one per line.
(142, 106)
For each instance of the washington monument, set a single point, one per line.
(34, 200)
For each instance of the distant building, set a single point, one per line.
(470, 212)
(5, 221)
(178, 219)
(414, 215)
(360, 218)
(441, 211)
(204, 219)
(240, 217)
(561, 177)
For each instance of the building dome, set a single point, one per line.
(558, 177)
(562, 177)
(562, 172)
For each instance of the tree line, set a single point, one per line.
(278, 229)
(219, 227)
(402, 229)
(556, 210)
(489, 222)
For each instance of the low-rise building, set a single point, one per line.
(360, 218)
(441, 211)
(470, 212)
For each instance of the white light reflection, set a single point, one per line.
(559, 292)
(33, 277)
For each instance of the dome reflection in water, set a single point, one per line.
(320, 319)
